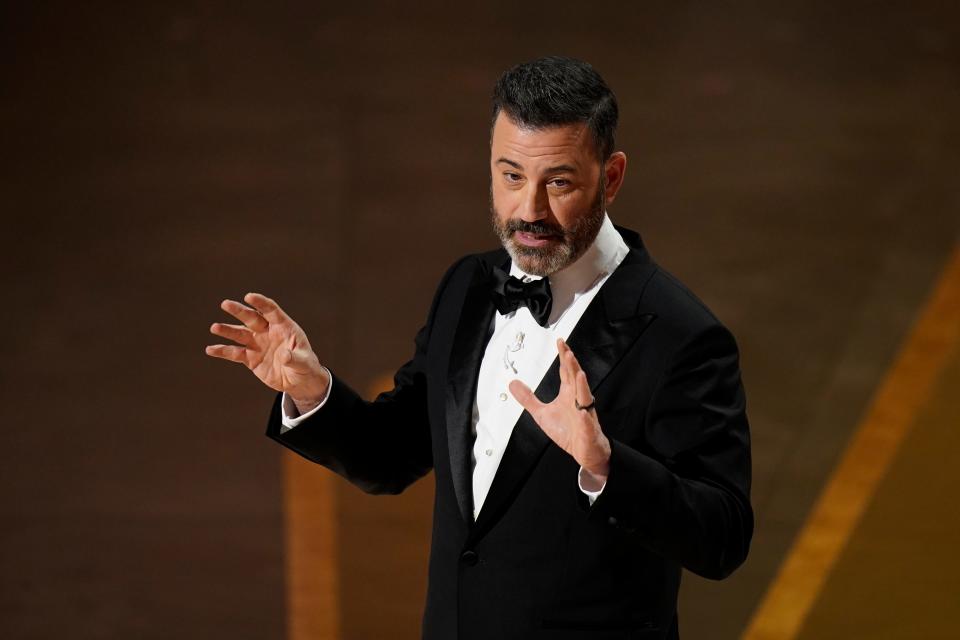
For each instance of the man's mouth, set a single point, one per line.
(534, 239)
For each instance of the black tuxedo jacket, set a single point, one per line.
(540, 562)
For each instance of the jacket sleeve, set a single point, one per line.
(381, 446)
(687, 496)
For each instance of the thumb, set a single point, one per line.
(524, 396)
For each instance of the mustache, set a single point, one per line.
(539, 228)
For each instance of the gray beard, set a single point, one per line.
(545, 261)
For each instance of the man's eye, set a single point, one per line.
(560, 182)
(512, 177)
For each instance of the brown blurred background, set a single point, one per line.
(796, 163)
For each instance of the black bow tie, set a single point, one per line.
(510, 293)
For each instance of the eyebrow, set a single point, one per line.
(554, 169)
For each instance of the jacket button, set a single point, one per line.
(611, 520)
(469, 558)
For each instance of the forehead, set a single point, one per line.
(565, 144)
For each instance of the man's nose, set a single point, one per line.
(536, 204)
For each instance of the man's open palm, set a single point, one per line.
(272, 346)
(574, 429)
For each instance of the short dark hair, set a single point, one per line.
(555, 91)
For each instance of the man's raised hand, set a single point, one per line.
(569, 420)
(273, 347)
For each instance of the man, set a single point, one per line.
(567, 512)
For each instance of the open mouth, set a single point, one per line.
(534, 239)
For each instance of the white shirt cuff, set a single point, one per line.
(291, 417)
(591, 495)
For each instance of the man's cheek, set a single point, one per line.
(502, 204)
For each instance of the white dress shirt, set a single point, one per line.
(519, 348)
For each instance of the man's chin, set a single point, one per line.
(535, 261)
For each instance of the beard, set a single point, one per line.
(570, 242)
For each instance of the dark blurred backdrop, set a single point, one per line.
(795, 163)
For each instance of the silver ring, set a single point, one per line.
(585, 407)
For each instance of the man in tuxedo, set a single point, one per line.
(581, 409)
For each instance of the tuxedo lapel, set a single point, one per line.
(470, 340)
(608, 328)
(612, 322)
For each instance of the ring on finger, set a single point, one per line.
(585, 407)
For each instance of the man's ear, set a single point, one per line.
(614, 169)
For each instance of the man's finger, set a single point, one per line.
(584, 395)
(572, 360)
(525, 396)
(564, 377)
(564, 350)
(270, 309)
(252, 319)
(569, 367)
(237, 333)
(566, 373)
(532, 404)
(227, 352)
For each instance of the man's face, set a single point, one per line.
(547, 193)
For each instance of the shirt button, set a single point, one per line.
(489, 452)
(503, 397)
